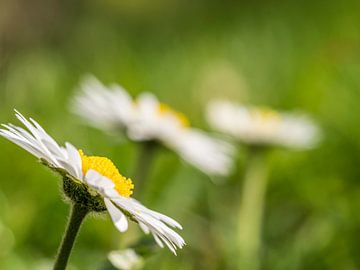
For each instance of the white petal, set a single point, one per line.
(210, 155)
(108, 108)
(144, 228)
(117, 216)
(98, 181)
(151, 221)
(24, 144)
(162, 217)
(158, 241)
(74, 159)
(36, 141)
(37, 135)
(147, 102)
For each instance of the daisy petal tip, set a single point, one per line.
(121, 226)
(118, 218)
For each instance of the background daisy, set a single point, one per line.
(145, 119)
(258, 129)
(262, 126)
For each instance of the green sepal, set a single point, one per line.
(77, 191)
(81, 194)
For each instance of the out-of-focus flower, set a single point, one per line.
(262, 126)
(94, 182)
(126, 259)
(109, 108)
(146, 119)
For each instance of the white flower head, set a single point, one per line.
(110, 108)
(262, 126)
(126, 259)
(98, 178)
(147, 119)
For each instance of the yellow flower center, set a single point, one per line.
(266, 114)
(166, 110)
(106, 167)
(266, 119)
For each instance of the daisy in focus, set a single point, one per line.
(93, 182)
(261, 126)
(145, 119)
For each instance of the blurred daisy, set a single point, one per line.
(93, 182)
(109, 108)
(261, 126)
(126, 259)
(146, 119)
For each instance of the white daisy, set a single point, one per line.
(96, 178)
(147, 119)
(126, 259)
(260, 126)
(110, 108)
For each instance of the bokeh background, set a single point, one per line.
(290, 55)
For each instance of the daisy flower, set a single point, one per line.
(145, 119)
(126, 259)
(262, 126)
(93, 182)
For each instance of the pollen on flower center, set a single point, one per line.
(166, 110)
(266, 114)
(106, 167)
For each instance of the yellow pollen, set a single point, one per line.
(266, 114)
(166, 110)
(106, 167)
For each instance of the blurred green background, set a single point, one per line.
(285, 54)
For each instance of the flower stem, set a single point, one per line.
(145, 158)
(251, 210)
(78, 213)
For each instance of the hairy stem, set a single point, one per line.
(78, 213)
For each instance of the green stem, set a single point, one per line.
(145, 159)
(251, 210)
(78, 213)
